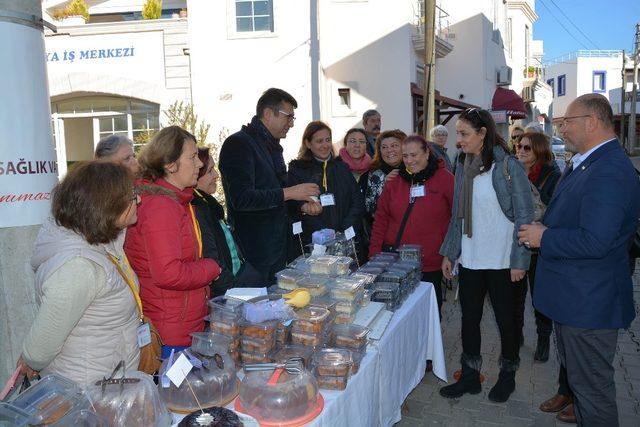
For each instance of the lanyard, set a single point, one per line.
(196, 229)
(324, 176)
(128, 279)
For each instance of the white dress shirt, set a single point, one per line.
(579, 158)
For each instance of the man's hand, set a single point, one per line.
(25, 369)
(530, 235)
(447, 268)
(517, 275)
(301, 192)
(311, 208)
(391, 175)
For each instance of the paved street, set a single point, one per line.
(535, 381)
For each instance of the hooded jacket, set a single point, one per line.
(163, 250)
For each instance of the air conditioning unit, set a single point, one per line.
(504, 76)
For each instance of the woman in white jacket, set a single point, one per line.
(87, 313)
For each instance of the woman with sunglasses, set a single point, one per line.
(87, 314)
(165, 246)
(492, 199)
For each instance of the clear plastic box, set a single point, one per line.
(208, 344)
(254, 345)
(350, 307)
(248, 357)
(286, 352)
(311, 319)
(288, 279)
(323, 265)
(309, 339)
(331, 382)
(224, 323)
(353, 337)
(315, 284)
(347, 288)
(226, 304)
(410, 252)
(344, 318)
(332, 361)
(264, 330)
(342, 266)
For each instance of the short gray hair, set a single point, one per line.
(439, 130)
(109, 145)
(369, 113)
(534, 127)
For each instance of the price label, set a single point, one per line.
(327, 199)
(144, 335)
(349, 233)
(318, 249)
(417, 191)
(179, 370)
(297, 227)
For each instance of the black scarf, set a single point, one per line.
(260, 131)
(386, 168)
(423, 175)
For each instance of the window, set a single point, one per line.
(551, 82)
(599, 81)
(345, 97)
(562, 85)
(254, 16)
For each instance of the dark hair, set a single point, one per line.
(369, 113)
(599, 106)
(304, 153)
(205, 158)
(478, 119)
(540, 145)
(109, 145)
(91, 198)
(350, 131)
(165, 147)
(377, 155)
(418, 139)
(272, 99)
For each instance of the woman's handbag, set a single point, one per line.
(150, 353)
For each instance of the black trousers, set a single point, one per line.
(474, 285)
(435, 277)
(544, 325)
(588, 355)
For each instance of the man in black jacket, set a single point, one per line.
(254, 177)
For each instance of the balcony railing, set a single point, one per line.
(442, 20)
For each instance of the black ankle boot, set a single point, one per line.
(469, 381)
(542, 349)
(506, 381)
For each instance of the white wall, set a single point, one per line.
(560, 103)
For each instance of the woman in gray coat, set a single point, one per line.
(492, 199)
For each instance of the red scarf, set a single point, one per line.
(534, 173)
(360, 165)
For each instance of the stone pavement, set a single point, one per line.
(535, 381)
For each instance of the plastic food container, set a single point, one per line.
(227, 304)
(132, 401)
(85, 418)
(387, 255)
(410, 252)
(344, 318)
(357, 355)
(248, 357)
(347, 289)
(288, 279)
(311, 319)
(324, 236)
(308, 339)
(388, 293)
(324, 265)
(332, 362)
(283, 333)
(208, 344)
(367, 278)
(324, 302)
(213, 385)
(276, 290)
(350, 307)
(331, 382)
(264, 330)
(12, 416)
(48, 401)
(353, 337)
(342, 266)
(288, 351)
(300, 263)
(316, 285)
(374, 263)
(293, 400)
(224, 322)
(254, 345)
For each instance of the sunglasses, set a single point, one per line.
(523, 147)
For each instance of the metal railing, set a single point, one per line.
(442, 20)
(584, 54)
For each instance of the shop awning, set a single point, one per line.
(509, 101)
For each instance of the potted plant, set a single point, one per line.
(152, 9)
(531, 71)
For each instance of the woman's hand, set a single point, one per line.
(311, 208)
(517, 274)
(391, 175)
(447, 268)
(25, 369)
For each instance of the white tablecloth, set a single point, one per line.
(392, 367)
(412, 337)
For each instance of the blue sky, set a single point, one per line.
(609, 24)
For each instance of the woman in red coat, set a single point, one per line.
(165, 247)
(426, 188)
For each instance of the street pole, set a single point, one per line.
(428, 102)
(622, 102)
(632, 116)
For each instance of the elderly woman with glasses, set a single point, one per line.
(87, 315)
(118, 149)
(439, 135)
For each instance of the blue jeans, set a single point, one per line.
(166, 350)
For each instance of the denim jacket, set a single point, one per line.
(514, 198)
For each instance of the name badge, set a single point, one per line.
(327, 199)
(417, 191)
(144, 335)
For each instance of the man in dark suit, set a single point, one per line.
(254, 176)
(582, 277)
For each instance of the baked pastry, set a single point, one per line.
(264, 330)
(307, 339)
(312, 320)
(248, 357)
(253, 345)
(332, 383)
(217, 417)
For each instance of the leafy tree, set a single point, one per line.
(152, 9)
(181, 114)
(74, 8)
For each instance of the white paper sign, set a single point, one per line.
(327, 199)
(417, 191)
(349, 233)
(297, 227)
(179, 370)
(318, 249)
(144, 335)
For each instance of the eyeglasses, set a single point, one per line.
(564, 120)
(290, 116)
(473, 110)
(514, 137)
(523, 147)
(356, 141)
